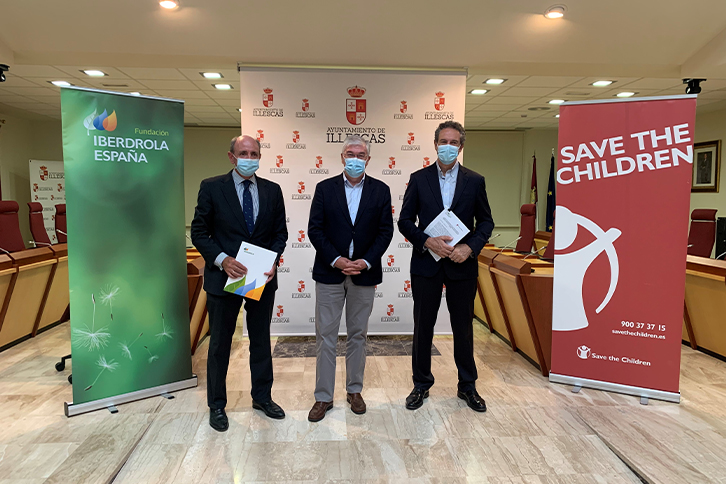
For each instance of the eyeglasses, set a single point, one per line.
(360, 156)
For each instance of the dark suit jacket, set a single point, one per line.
(330, 229)
(219, 225)
(423, 200)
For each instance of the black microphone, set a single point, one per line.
(509, 244)
(532, 253)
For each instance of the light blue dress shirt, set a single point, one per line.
(239, 186)
(352, 196)
(447, 183)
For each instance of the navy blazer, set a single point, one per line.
(219, 225)
(330, 229)
(423, 201)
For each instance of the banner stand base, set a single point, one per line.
(72, 410)
(643, 393)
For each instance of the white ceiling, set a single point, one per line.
(646, 47)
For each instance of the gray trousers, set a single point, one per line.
(329, 301)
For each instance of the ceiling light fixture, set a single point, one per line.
(135, 93)
(60, 83)
(693, 86)
(601, 83)
(94, 73)
(169, 4)
(556, 101)
(239, 110)
(478, 92)
(626, 94)
(222, 87)
(557, 115)
(555, 11)
(212, 75)
(494, 82)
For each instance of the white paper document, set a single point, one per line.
(257, 261)
(446, 223)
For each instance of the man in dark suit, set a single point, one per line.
(350, 226)
(445, 185)
(231, 209)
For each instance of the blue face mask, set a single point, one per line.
(247, 166)
(355, 167)
(447, 153)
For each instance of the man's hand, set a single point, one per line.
(342, 263)
(347, 266)
(460, 253)
(271, 274)
(354, 267)
(233, 268)
(438, 245)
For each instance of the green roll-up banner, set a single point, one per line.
(124, 168)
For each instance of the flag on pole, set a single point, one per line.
(533, 187)
(551, 196)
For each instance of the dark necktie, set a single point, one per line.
(247, 206)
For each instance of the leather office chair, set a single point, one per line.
(37, 226)
(526, 229)
(702, 233)
(11, 240)
(60, 223)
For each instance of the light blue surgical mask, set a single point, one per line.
(247, 166)
(447, 153)
(355, 167)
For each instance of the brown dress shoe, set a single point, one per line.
(357, 405)
(317, 413)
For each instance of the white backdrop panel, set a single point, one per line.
(301, 117)
(48, 186)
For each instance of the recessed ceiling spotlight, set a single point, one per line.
(94, 73)
(222, 87)
(556, 101)
(211, 75)
(494, 82)
(557, 115)
(60, 83)
(626, 94)
(478, 92)
(601, 83)
(555, 11)
(169, 4)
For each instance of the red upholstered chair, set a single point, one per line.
(11, 240)
(526, 229)
(702, 234)
(60, 223)
(37, 226)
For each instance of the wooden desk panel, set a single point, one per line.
(706, 303)
(541, 239)
(491, 298)
(538, 292)
(58, 296)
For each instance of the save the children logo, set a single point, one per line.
(572, 266)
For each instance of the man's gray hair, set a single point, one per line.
(356, 139)
(453, 125)
(234, 142)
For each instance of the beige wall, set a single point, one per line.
(20, 141)
(711, 127)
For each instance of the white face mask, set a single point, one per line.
(447, 153)
(355, 167)
(247, 166)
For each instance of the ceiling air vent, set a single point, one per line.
(539, 108)
(578, 93)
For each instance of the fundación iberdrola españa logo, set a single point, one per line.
(100, 122)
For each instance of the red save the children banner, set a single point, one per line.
(621, 231)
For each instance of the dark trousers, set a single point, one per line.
(426, 301)
(223, 313)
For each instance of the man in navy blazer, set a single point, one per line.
(351, 226)
(234, 208)
(445, 185)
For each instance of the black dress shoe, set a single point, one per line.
(270, 408)
(416, 398)
(473, 399)
(218, 419)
